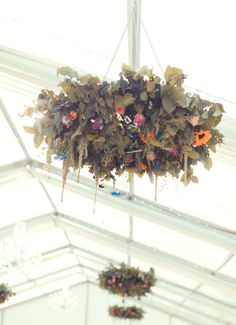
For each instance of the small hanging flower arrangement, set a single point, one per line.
(139, 124)
(127, 281)
(131, 312)
(5, 293)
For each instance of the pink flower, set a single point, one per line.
(59, 141)
(139, 119)
(95, 125)
(128, 159)
(66, 121)
(113, 278)
(133, 285)
(109, 282)
(151, 155)
(194, 120)
(174, 151)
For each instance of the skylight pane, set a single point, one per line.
(9, 146)
(82, 208)
(22, 200)
(180, 245)
(80, 34)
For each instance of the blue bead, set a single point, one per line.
(115, 193)
(158, 165)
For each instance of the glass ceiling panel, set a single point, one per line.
(25, 295)
(180, 41)
(91, 263)
(13, 278)
(207, 310)
(11, 150)
(82, 208)
(230, 268)
(167, 294)
(96, 247)
(80, 34)
(228, 297)
(63, 282)
(22, 200)
(166, 274)
(180, 245)
(51, 266)
(44, 241)
(212, 199)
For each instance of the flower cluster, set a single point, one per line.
(137, 124)
(131, 312)
(127, 281)
(5, 293)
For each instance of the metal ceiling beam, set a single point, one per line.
(144, 209)
(14, 129)
(37, 223)
(146, 253)
(134, 14)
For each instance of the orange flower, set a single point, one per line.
(120, 110)
(150, 136)
(73, 115)
(201, 137)
(143, 138)
(143, 166)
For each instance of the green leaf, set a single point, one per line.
(77, 132)
(177, 96)
(174, 76)
(193, 155)
(218, 109)
(194, 179)
(150, 86)
(144, 96)
(100, 139)
(208, 164)
(28, 112)
(168, 105)
(67, 71)
(38, 139)
(29, 129)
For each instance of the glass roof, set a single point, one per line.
(188, 235)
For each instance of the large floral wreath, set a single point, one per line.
(139, 124)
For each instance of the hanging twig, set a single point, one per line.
(95, 194)
(155, 197)
(185, 168)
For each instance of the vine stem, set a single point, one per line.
(185, 168)
(155, 197)
(95, 194)
(81, 153)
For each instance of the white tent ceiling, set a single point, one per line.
(189, 234)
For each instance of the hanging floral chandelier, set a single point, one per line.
(127, 281)
(139, 124)
(5, 293)
(131, 312)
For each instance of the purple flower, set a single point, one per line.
(128, 159)
(174, 151)
(139, 119)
